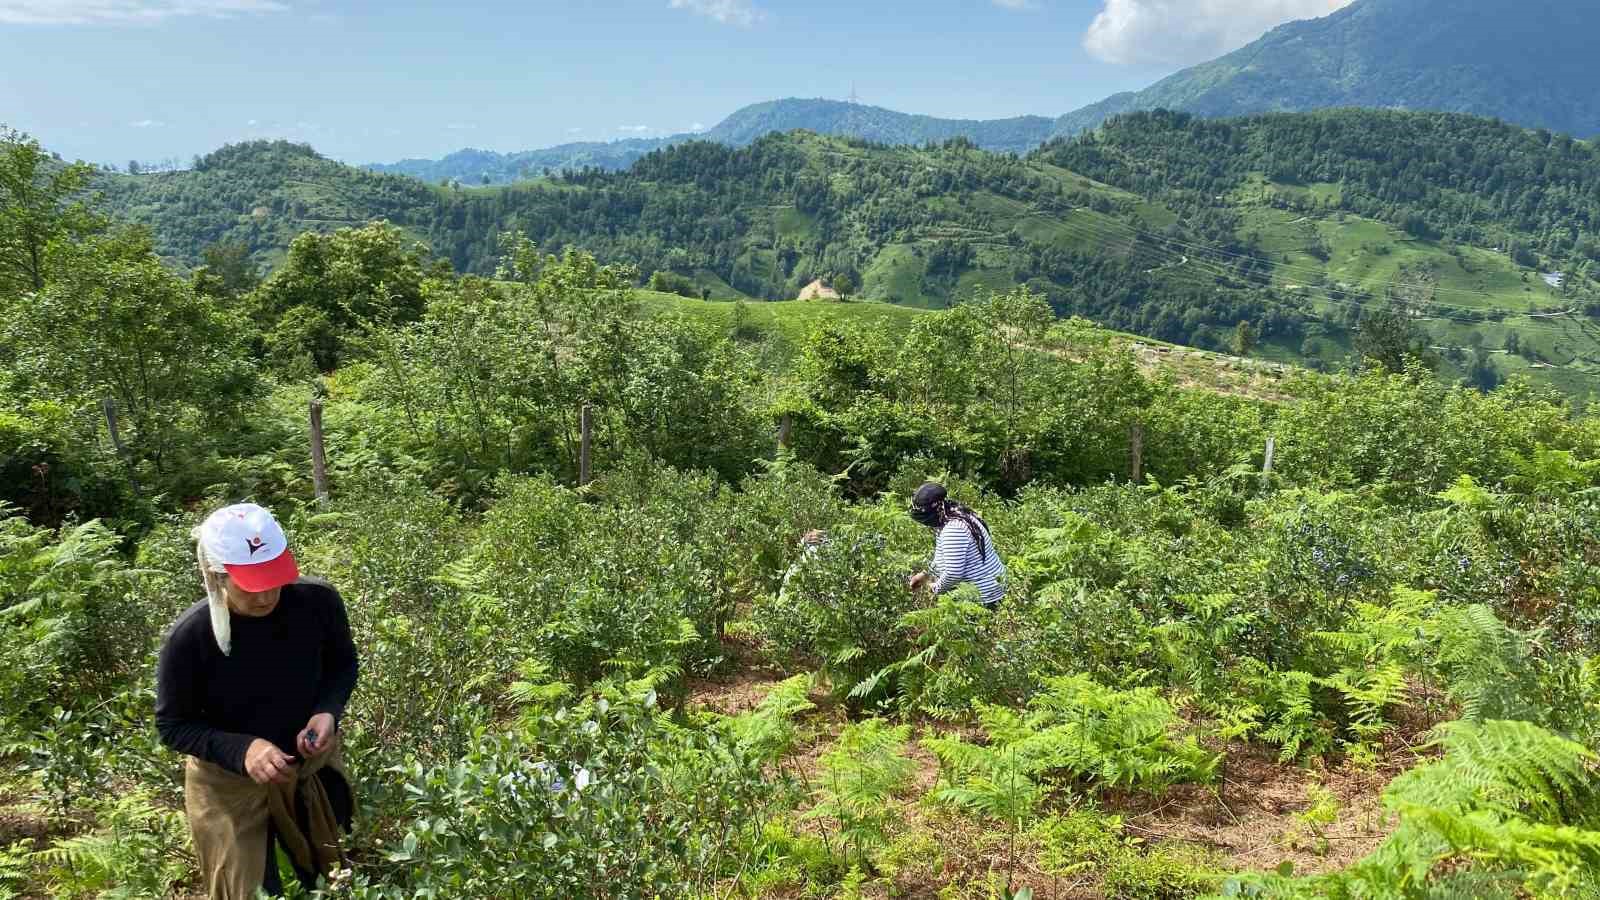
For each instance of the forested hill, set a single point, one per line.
(1531, 62)
(879, 125)
(829, 117)
(1300, 224)
(262, 193)
(1461, 178)
(479, 167)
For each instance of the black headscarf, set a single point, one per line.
(932, 506)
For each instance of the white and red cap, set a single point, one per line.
(248, 542)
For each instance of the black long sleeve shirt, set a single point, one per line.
(285, 667)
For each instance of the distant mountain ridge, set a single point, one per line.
(473, 166)
(878, 125)
(828, 117)
(1528, 62)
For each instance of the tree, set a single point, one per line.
(230, 265)
(116, 325)
(38, 208)
(352, 279)
(1483, 374)
(1388, 337)
(673, 283)
(845, 284)
(1244, 338)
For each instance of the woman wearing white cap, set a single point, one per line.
(251, 685)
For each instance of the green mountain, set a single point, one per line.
(878, 125)
(1530, 62)
(830, 117)
(1166, 225)
(471, 166)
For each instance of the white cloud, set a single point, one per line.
(728, 12)
(147, 123)
(1013, 4)
(635, 129)
(697, 126)
(126, 12)
(1181, 32)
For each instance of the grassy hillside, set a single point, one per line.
(791, 319)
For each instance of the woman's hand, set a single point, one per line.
(266, 764)
(917, 581)
(317, 736)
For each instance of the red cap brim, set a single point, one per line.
(264, 576)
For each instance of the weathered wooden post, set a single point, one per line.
(319, 456)
(1136, 450)
(785, 429)
(1266, 465)
(585, 444)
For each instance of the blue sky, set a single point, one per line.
(361, 80)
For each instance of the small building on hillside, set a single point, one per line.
(817, 290)
(1554, 279)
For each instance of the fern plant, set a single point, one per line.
(953, 662)
(860, 775)
(1311, 824)
(768, 733)
(994, 781)
(1294, 718)
(139, 849)
(1509, 810)
(1082, 729)
(1484, 665)
(537, 691)
(13, 869)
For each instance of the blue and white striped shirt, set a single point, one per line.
(956, 559)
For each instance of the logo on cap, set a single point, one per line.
(254, 544)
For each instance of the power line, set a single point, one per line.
(1307, 272)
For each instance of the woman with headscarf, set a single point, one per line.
(251, 684)
(963, 549)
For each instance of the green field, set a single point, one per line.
(792, 320)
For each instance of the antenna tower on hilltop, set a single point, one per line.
(854, 97)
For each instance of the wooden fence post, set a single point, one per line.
(1266, 465)
(319, 456)
(785, 429)
(1136, 448)
(585, 444)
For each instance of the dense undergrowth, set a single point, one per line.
(1411, 588)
